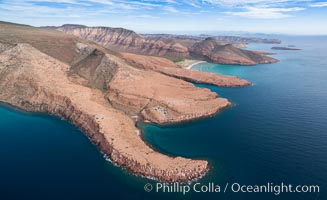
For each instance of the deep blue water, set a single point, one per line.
(275, 132)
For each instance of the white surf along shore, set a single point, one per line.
(188, 63)
(191, 65)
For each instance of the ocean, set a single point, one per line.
(275, 133)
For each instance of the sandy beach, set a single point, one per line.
(188, 63)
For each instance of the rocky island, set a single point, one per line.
(284, 48)
(103, 90)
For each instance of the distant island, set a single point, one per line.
(285, 48)
(221, 38)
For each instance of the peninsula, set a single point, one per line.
(105, 91)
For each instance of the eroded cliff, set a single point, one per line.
(120, 39)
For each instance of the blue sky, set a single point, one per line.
(264, 16)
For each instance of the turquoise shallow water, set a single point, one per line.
(275, 132)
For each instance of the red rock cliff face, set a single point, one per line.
(126, 40)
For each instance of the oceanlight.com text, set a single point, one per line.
(276, 189)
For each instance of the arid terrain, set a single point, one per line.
(209, 49)
(104, 92)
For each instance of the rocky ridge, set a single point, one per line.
(119, 39)
(209, 49)
(169, 68)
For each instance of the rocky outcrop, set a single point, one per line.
(213, 51)
(169, 68)
(148, 93)
(93, 65)
(120, 39)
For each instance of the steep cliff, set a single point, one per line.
(120, 39)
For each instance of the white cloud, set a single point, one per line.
(319, 4)
(243, 2)
(171, 9)
(265, 13)
(193, 3)
(110, 3)
(170, 1)
(55, 1)
(146, 16)
(59, 1)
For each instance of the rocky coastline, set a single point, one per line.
(101, 91)
(110, 129)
